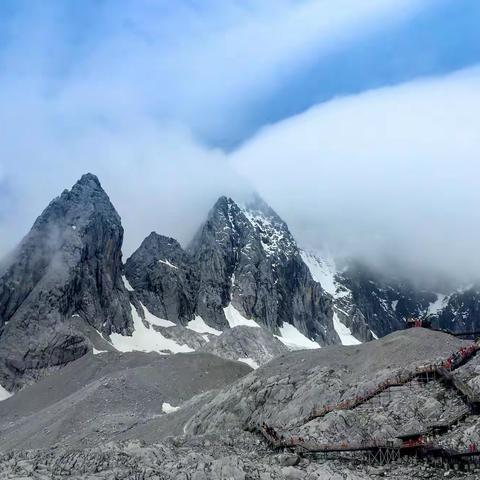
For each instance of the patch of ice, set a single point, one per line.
(274, 236)
(97, 352)
(236, 319)
(294, 339)
(167, 408)
(438, 304)
(127, 283)
(394, 304)
(344, 332)
(198, 325)
(75, 315)
(166, 262)
(323, 270)
(74, 227)
(153, 320)
(373, 334)
(250, 362)
(4, 394)
(145, 339)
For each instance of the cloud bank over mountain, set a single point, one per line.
(156, 98)
(390, 174)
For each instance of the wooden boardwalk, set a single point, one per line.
(425, 373)
(390, 450)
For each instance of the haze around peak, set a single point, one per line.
(357, 123)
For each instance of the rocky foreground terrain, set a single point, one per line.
(185, 416)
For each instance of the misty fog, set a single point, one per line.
(389, 175)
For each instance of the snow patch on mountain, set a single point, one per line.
(236, 319)
(4, 394)
(168, 264)
(250, 362)
(146, 339)
(198, 325)
(275, 237)
(344, 332)
(322, 269)
(438, 304)
(167, 408)
(98, 352)
(153, 320)
(294, 339)
(126, 283)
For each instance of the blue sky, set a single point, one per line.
(164, 99)
(63, 40)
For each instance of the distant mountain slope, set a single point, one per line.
(372, 303)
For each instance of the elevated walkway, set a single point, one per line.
(390, 450)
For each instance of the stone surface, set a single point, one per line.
(249, 343)
(68, 266)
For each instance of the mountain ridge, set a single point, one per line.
(64, 291)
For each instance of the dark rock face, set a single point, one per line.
(248, 257)
(68, 265)
(164, 279)
(243, 256)
(379, 301)
(461, 311)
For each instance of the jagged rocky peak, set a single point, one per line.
(274, 234)
(249, 265)
(163, 277)
(243, 267)
(459, 311)
(66, 272)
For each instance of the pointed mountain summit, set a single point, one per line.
(243, 267)
(63, 279)
(163, 277)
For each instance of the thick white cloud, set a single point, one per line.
(388, 173)
(118, 91)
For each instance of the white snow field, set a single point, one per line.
(4, 394)
(438, 304)
(168, 264)
(153, 320)
(344, 332)
(323, 270)
(127, 283)
(294, 339)
(250, 362)
(198, 325)
(146, 339)
(236, 319)
(167, 408)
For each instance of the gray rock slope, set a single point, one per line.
(246, 343)
(287, 389)
(164, 278)
(245, 257)
(103, 397)
(112, 403)
(67, 267)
